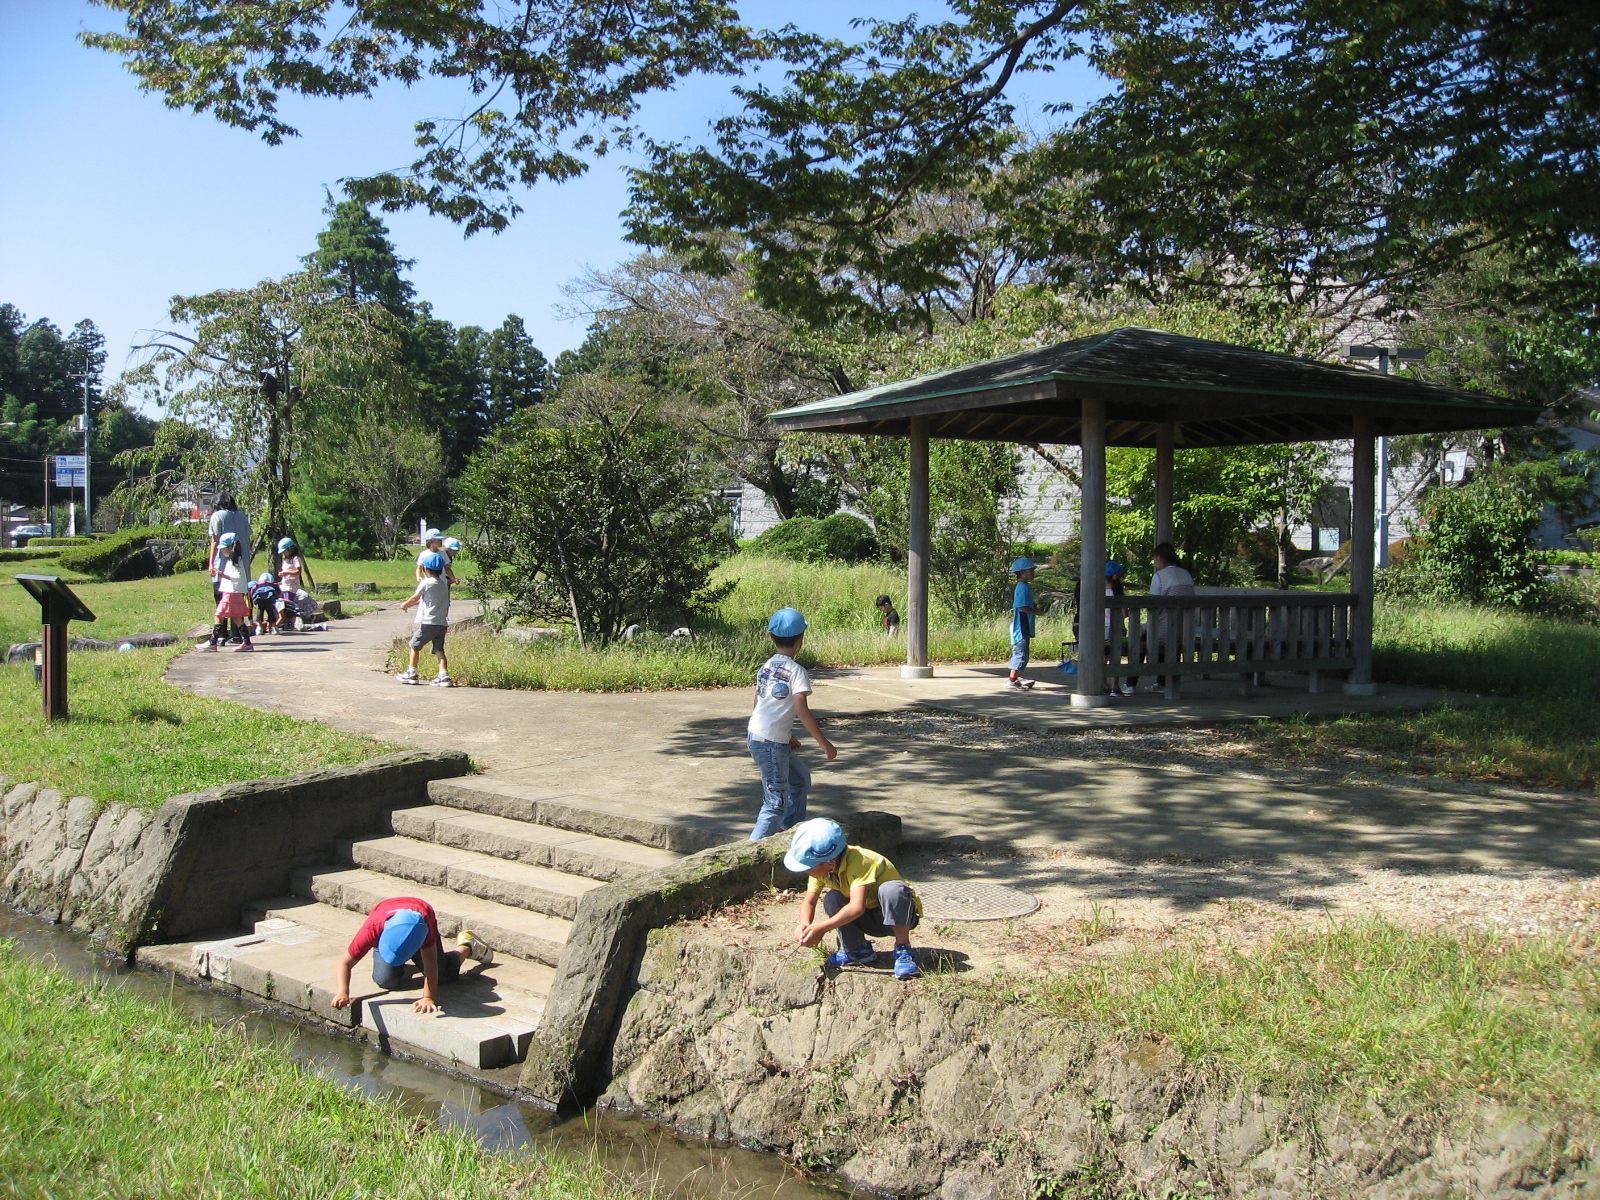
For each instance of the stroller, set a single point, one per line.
(298, 605)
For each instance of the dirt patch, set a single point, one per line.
(1094, 907)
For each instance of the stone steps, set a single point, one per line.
(506, 860)
(605, 859)
(518, 932)
(620, 820)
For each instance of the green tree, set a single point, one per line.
(262, 371)
(549, 86)
(515, 373)
(355, 250)
(586, 510)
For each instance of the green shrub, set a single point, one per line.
(838, 538)
(1476, 544)
(103, 557)
(60, 542)
(28, 554)
(1567, 558)
(332, 526)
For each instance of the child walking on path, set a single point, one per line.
(432, 602)
(401, 930)
(232, 573)
(1023, 613)
(782, 686)
(861, 892)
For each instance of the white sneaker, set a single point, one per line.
(1014, 684)
(408, 676)
(1157, 687)
(442, 680)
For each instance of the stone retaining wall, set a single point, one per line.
(569, 1057)
(931, 1089)
(131, 876)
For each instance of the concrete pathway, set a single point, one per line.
(683, 753)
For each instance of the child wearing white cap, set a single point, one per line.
(432, 543)
(782, 686)
(861, 893)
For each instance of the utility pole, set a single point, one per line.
(1384, 355)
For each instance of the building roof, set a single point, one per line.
(1217, 394)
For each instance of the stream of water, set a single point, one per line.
(643, 1152)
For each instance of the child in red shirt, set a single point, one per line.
(399, 930)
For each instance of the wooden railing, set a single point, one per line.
(1237, 633)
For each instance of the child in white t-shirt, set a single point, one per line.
(782, 686)
(232, 572)
(432, 602)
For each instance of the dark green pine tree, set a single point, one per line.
(355, 249)
(516, 374)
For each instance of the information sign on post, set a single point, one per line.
(57, 606)
(71, 470)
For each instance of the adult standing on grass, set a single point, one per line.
(782, 686)
(228, 518)
(1023, 613)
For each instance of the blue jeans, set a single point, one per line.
(389, 977)
(1019, 655)
(784, 784)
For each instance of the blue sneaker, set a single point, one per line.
(905, 966)
(852, 958)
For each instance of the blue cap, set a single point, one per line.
(813, 843)
(1114, 568)
(452, 544)
(1023, 564)
(402, 936)
(787, 623)
(226, 540)
(285, 543)
(433, 561)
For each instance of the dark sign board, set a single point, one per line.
(57, 602)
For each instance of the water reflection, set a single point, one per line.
(640, 1151)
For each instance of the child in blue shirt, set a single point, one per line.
(1023, 613)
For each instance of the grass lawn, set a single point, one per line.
(1413, 1019)
(1547, 736)
(132, 737)
(103, 1094)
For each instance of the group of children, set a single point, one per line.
(270, 604)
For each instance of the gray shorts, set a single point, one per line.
(429, 633)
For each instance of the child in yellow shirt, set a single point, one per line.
(861, 893)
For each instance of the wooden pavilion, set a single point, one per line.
(1145, 387)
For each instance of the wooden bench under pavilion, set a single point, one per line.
(1163, 391)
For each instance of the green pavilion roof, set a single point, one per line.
(1215, 393)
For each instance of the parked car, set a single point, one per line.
(21, 534)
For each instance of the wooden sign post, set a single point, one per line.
(57, 606)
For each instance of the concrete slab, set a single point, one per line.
(605, 859)
(485, 1019)
(979, 691)
(518, 884)
(514, 931)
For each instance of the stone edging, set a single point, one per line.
(568, 1058)
(132, 877)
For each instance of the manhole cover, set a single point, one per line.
(973, 901)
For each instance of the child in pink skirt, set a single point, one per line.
(233, 596)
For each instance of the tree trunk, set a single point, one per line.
(1285, 552)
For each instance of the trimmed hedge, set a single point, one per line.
(102, 557)
(839, 538)
(61, 542)
(28, 554)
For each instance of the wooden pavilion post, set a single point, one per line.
(1362, 515)
(916, 666)
(1166, 440)
(1091, 691)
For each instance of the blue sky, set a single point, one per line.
(111, 203)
